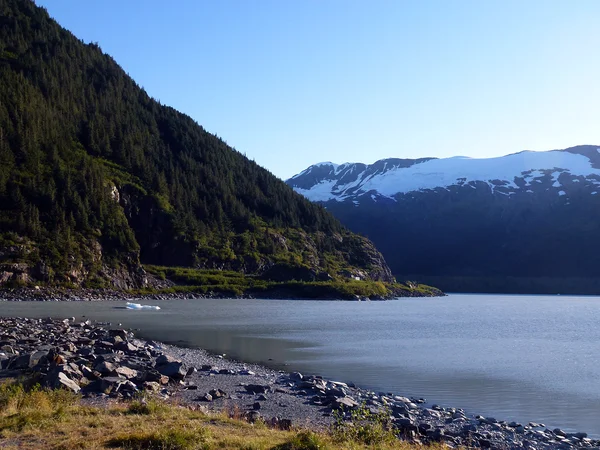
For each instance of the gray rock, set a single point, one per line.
(151, 386)
(119, 333)
(126, 347)
(217, 393)
(253, 416)
(164, 360)
(344, 402)
(106, 385)
(174, 370)
(27, 360)
(67, 383)
(296, 376)
(127, 386)
(256, 388)
(105, 368)
(405, 424)
(126, 372)
(58, 379)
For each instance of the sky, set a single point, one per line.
(291, 83)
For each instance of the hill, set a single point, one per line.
(97, 178)
(525, 222)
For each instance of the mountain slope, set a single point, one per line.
(531, 219)
(96, 177)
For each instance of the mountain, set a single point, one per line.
(525, 222)
(97, 178)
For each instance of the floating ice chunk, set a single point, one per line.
(129, 305)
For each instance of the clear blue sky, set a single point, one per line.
(294, 82)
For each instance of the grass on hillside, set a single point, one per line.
(203, 281)
(35, 418)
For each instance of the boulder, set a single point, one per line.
(174, 370)
(126, 347)
(120, 333)
(217, 393)
(105, 368)
(257, 388)
(105, 385)
(59, 379)
(27, 360)
(151, 386)
(253, 416)
(296, 376)
(344, 402)
(126, 372)
(165, 359)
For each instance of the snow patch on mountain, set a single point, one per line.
(527, 167)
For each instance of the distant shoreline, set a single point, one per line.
(59, 294)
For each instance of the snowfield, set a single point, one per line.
(500, 172)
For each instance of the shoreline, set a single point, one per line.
(54, 294)
(113, 364)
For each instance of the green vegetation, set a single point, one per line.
(365, 427)
(98, 177)
(35, 418)
(230, 283)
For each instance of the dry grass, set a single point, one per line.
(39, 419)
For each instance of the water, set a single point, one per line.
(523, 358)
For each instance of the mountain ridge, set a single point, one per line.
(328, 181)
(526, 222)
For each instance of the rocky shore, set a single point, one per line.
(51, 294)
(103, 363)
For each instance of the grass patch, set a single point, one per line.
(161, 440)
(34, 418)
(364, 427)
(304, 440)
(146, 407)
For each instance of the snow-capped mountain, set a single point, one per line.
(525, 222)
(504, 175)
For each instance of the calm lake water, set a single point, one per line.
(523, 358)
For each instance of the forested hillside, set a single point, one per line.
(96, 177)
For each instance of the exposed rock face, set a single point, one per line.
(17, 270)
